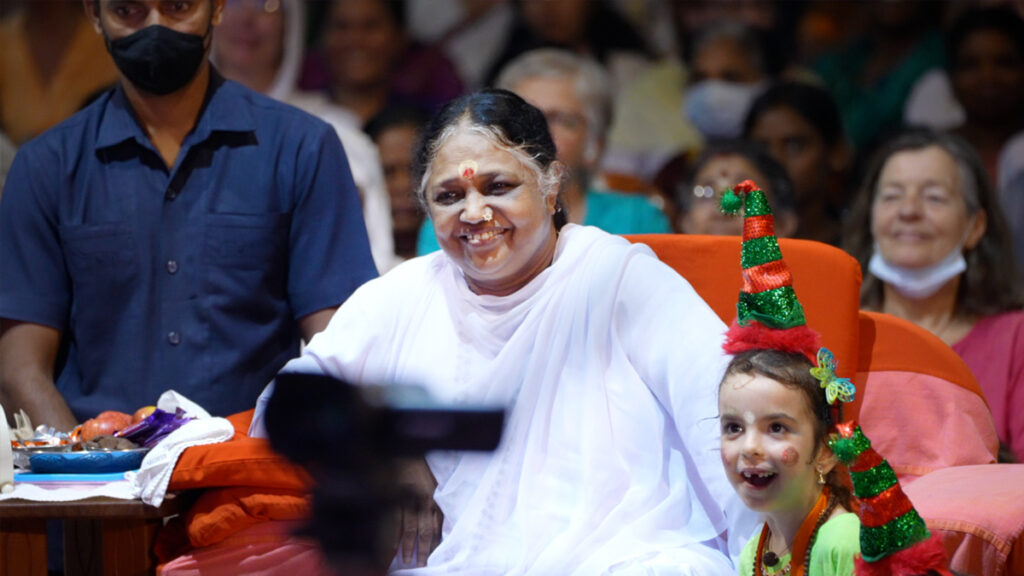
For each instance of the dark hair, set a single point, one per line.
(812, 103)
(990, 283)
(783, 196)
(793, 370)
(1002, 19)
(508, 118)
(397, 115)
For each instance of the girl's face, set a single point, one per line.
(799, 147)
(489, 213)
(718, 174)
(768, 446)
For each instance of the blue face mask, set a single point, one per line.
(157, 59)
(717, 107)
(919, 283)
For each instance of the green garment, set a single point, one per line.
(834, 549)
(867, 110)
(613, 212)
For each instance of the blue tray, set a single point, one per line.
(86, 461)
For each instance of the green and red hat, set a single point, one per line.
(894, 540)
(768, 313)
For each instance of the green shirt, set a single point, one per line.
(834, 549)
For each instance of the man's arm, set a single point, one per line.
(28, 353)
(310, 324)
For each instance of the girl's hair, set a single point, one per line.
(793, 370)
(990, 283)
(506, 119)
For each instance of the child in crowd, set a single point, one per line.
(777, 407)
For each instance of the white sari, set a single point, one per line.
(609, 364)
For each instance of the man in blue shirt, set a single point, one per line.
(182, 232)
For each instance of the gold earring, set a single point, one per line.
(821, 476)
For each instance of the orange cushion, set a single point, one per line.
(241, 461)
(826, 280)
(221, 512)
(979, 513)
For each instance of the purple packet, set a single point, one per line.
(154, 428)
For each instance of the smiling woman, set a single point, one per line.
(935, 248)
(602, 356)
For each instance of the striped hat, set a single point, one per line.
(894, 540)
(768, 313)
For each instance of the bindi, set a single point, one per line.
(790, 456)
(467, 169)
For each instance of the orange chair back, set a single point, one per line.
(826, 280)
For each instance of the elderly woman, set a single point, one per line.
(605, 358)
(931, 238)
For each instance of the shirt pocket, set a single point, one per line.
(101, 260)
(91, 246)
(247, 241)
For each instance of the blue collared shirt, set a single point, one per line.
(190, 278)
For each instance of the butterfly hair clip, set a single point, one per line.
(835, 388)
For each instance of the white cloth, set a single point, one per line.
(121, 490)
(150, 482)
(609, 362)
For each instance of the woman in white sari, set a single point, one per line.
(606, 359)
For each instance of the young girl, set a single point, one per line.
(777, 408)
(775, 425)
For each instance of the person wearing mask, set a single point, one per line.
(180, 232)
(935, 248)
(575, 95)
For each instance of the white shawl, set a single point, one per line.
(609, 363)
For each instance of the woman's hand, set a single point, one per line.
(419, 521)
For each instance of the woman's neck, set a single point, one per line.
(936, 313)
(575, 198)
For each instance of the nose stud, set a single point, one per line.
(488, 214)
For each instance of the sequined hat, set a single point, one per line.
(893, 538)
(768, 313)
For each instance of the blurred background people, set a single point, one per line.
(260, 44)
(872, 75)
(591, 28)
(722, 165)
(366, 61)
(574, 93)
(935, 248)
(799, 125)
(52, 63)
(395, 131)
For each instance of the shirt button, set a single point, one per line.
(172, 266)
(173, 338)
(171, 194)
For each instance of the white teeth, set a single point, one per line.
(758, 474)
(482, 237)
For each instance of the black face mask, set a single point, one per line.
(157, 59)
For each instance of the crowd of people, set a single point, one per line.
(429, 192)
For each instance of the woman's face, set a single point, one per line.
(919, 215)
(798, 146)
(561, 22)
(988, 77)
(250, 37)
(362, 42)
(768, 445)
(489, 213)
(718, 174)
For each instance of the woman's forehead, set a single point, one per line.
(472, 147)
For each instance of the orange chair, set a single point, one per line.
(916, 399)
